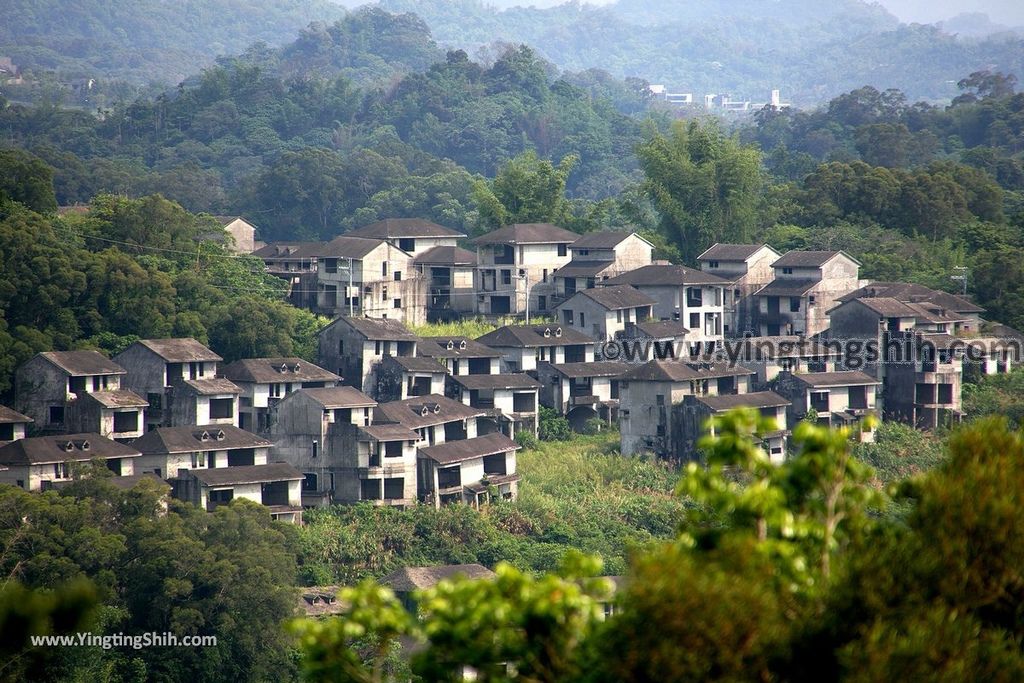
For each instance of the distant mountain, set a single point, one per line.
(147, 40)
(810, 50)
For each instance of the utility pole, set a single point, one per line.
(526, 283)
(962, 277)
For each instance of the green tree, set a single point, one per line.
(26, 179)
(704, 184)
(527, 189)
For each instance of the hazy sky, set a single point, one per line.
(1009, 12)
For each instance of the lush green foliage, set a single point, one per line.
(996, 395)
(145, 40)
(130, 269)
(187, 571)
(746, 47)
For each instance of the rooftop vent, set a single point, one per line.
(220, 435)
(451, 344)
(558, 331)
(437, 408)
(462, 345)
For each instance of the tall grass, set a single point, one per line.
(472, 328)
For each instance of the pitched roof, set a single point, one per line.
(213, 386)
(246, 474)
(913, 293)
(389, 432)
(338, 397)
(603, 239)
(601, 368)
(447, 256)
(787, 287)
(461, 347)
(116, 398)
(660, 329)
(613, 298)
(276, 370)
(385, 329)
(835, 379)
(417, 363)
(392, 228)
(932, 313)
(809, 259)
(424, 411)
(886, 306)
(181, 350)
(731, 252)
(79, 363)
(63, 448)
(289, 250)
(467, 449)
(190, 438)
(583, 268)
(8, 416)
(683, 371)
(665, 276)
(529, 336)
(410, 578)
(528, 233)
(511, 380)
(344, 246)
(757, 399)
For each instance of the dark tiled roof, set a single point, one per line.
(583, 268)
(79, 363)
(912, 293)
(47, 449)
(529, 336)
(213, 386)
(614, 298)
(276, 251)
(392, 228)
(782, 346)
(384, 329)
(809, 259)
(247, 474)
(835, 379)
(757, 399)
(447, 256)
(8, 416)
(437, 347)
(467, 449)
(679, 371)
(389, 432)
(602, 239)
(661, 329)
(601, 368)
(665, 276)
(344, 246)
(410, 578)
(424, 411)
(730, 252)
(338, 397)
(784, 287)
(888, 307)
(511, 380)
(191, 438)
(418, 363)
(931, 313)
(528, 233)
(183, 350)
(116, 398)
(269, 371)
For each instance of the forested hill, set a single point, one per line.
(145, 40)
(811, 50)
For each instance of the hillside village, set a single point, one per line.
(603, 334)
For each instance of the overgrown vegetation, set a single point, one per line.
(577, 494)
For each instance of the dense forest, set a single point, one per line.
(146, 40)
(812, 51)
